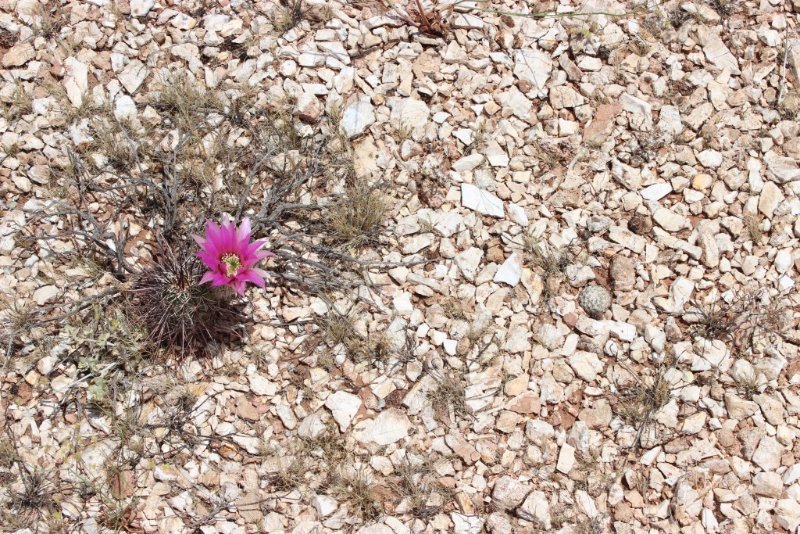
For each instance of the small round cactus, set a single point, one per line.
(595, 300)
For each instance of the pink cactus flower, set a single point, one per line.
(230, 255)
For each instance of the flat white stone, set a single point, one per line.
(566, 458)
(783, 169)
(343, 407)
(140, 8)
(517, 214)
(710, 158)
(467, 163)
(656, 192)
(468, 261)
(715, 50)
(481, 201)
(402, 303)
(389, 426)
(132, 76)
(669, 220)
(510, 272)
(669, 120)
(632, 104)
(45, 294)
(76, 80)
(533, 66)
(783, 261)
(497, 156)
(410, 113)
(357, 117)
(124, 108)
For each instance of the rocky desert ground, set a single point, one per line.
(534, 270)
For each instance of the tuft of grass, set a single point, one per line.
(15, 320)
(789, 104)
(8, 454)
(31, 499)
(50, 22)
(179, 315)
(21, 104)
(720, 319)
(288, 15)
(774, 318)
(184, 103)
(644, 400)
(289, 476)
(456, 309)
(749, 386)
(111, 139)
(359, 493)
(418, 482)
(356, 218)
(640, 402)
(338, 328)
(752, 225)
(678, 17)
(117, 515)
(16, 317)
(330, 443)
(449, 397)
(550, 263)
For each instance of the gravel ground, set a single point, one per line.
(562, 296)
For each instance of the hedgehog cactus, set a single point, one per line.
(595, 300)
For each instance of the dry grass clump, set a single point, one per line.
(719, 319)
(357, 216)
(114, 140)
(752, 226)
(288, 15)
(180, 316)
(50, 21)
(8, 454)
(641, 401)
(449, 400)
(15, 319)
(339, 329)
(185, 103)
(7, 38)
(363, 498)
(724, 8)
(21, 104)
(417, 483)
(551, 264)
(30, 498)
(290, 475)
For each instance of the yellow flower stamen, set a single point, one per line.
(232, 264)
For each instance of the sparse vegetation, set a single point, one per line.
(21, 104)
(350, 387)
(362, 496)
(355, 218)
(289, 476)
(448, 399)
(752, 225)
(647, 396)
(339, 329)
(550, 263)
(288, 15)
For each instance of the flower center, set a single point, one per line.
(232, 264)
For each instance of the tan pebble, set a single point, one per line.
(702, 182)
